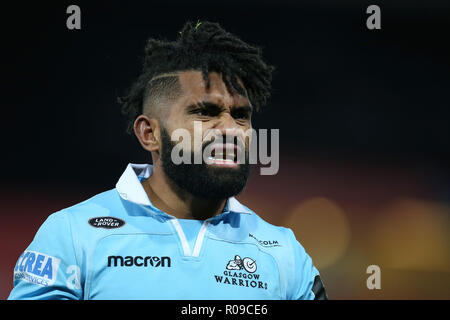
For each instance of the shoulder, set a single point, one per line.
(77, 216)
(268, 234)
(62, 228)
(103, 201)
(279, 241)
(102, 204)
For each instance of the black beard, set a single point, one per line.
(202, 180)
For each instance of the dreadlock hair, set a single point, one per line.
(204, 47)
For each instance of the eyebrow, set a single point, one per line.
(214, 106)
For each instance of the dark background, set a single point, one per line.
(363, 118)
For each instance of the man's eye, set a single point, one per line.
(204, 112)
(241, 115)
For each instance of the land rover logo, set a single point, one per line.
(106, 222)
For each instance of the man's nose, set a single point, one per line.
(230, 130)
(227, 124)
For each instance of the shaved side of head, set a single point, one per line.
(162, 91)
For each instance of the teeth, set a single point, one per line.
(221, 156)
(214, 158)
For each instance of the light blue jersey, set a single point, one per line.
(117, 245)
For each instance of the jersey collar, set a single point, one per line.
(130, 189)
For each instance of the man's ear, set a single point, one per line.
(147, 130)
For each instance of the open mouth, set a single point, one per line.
(224, 155)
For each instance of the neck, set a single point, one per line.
(167, 197)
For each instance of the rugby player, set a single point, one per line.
(168, 230)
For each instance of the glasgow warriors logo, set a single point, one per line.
(246, 278)
(238, 264)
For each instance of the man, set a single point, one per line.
(175, 231)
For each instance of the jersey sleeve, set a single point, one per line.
(48, 268)
(306, 284)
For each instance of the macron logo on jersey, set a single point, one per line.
(37, 268)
